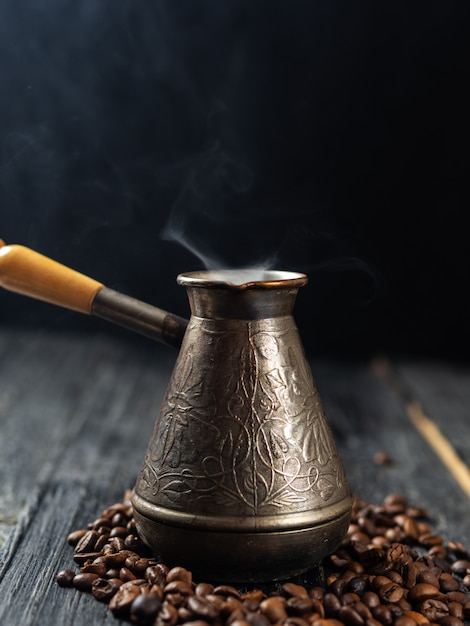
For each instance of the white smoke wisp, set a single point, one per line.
(212, 216)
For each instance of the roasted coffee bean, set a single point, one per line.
(87, 543)
(426, 576)
(85, 557)
(380, 581)
(395, 609)
(395, 503)
(382, 614)
(390, 593)
(466, 581)
(226, 591)
(434, 609)
(103, 589)
(461, 567)
(179, 573)
(117, 544)
(429, 539)
(410, 528)
(410, 575)
(94, 568)
(83, 582)
(439, 552)
(178, 586)
(395, 577)
(258, 619)
(349, 616)
(458, 549)
(457, 596)
(448, 583)
(117, 559)
(370, 599)
(349, 598)
(299, 605)
(167, 615)
(227, 608)
(317, 593)
(119, 520)
(421, 592)
(346, 576)
(113, 572)
(339, 561)
(119, 531)
(120, 603)
(337, 587)
(65, 578)
(332, 604)
(456, 609)
(358, 585)
(99, 522)
(75, 537)
(221, 604)
(292, 589)
(363, 611)
(251, 599)
(133, 542)
(203, 589)
(136, 564)
(155, 576)
(125, 574)
(201, 607)
(144, 608)
(372, 557)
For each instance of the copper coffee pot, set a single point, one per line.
(242, 480)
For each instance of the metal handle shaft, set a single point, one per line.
(139, 316)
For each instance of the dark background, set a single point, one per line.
(142, 139)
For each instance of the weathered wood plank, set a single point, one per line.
(75, 409)
(443, 390)
(76, 415)
(29, 583)
(367, 417)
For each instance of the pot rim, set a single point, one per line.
(241, 279)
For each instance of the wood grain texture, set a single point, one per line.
(76, 414)
(32, 274)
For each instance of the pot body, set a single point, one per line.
(242, 480)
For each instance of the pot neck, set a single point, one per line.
(215, 295)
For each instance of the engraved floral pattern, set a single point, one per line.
(241, 430)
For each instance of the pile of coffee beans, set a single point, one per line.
(390, 570)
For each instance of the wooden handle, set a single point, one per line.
(27, 272)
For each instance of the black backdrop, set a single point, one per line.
(142, 139)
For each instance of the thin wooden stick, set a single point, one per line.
(441, 445)
(425, 426)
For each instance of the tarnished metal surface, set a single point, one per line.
(242, 467)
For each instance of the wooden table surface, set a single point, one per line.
(77, 411)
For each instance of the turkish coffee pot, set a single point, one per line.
(242, 480)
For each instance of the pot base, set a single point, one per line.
(245, 557)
